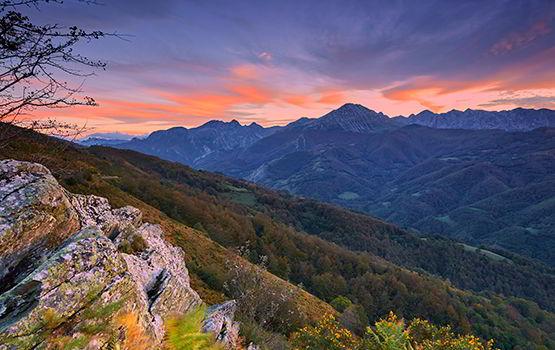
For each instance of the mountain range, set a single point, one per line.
(467, 175)
(329, 251)
(519, 119)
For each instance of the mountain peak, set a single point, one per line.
(354, 107)
(255, 125)
(351, 117)
(220, 124)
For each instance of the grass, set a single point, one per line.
(185, 333)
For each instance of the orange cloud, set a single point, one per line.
(252, 94)
(332, 98)
(537, 72)
(411, 92)
(245, 71)
(297, 100)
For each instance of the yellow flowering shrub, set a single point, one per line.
(390, 333)
(327, 334)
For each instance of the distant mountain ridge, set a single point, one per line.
(519, 119)
(106, 139)
(188, 146)
(228, 136)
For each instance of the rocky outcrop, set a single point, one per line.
(70, 265)
(219, 321)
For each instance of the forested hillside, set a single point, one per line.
(481, 185)
(307, 243)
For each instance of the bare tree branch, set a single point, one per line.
(36, 62)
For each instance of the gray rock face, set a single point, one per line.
(36, 215)
(70, 264)
(219, 321)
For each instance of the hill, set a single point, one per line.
(391, 270)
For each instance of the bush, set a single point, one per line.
(261, 298)
(390, 333)
(340, 303)
(264, 339)
(328, 334)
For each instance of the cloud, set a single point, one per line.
(333, 97)
(297, 100)
(273, 61)
(518, 40)
(265, 56)
(529, 102)
(245, 71)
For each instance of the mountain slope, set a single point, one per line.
(233, 213)
(435, 180)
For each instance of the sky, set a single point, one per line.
(271, 62)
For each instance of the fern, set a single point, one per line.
(185, 333)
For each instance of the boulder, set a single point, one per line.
(36, 215)
(71, 266)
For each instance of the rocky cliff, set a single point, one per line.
(73, 270)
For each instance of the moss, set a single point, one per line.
(103, 312)
(133, 245)
(77, 343)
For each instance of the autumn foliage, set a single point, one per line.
(390, 333)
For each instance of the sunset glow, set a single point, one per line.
(273, 63)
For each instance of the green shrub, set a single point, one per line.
(340, 303)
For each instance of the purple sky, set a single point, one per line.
(186, 62)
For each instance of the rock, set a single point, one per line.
(36, 215)
(160, 271)
(85, 275)
(96, 211)
(71, 265)
(219, 321)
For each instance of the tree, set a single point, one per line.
(35, 61)
(260, 297)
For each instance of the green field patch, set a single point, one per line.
(232, 188)
(446, 219)
(489, 254)
(244, 198)
(348, 196)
